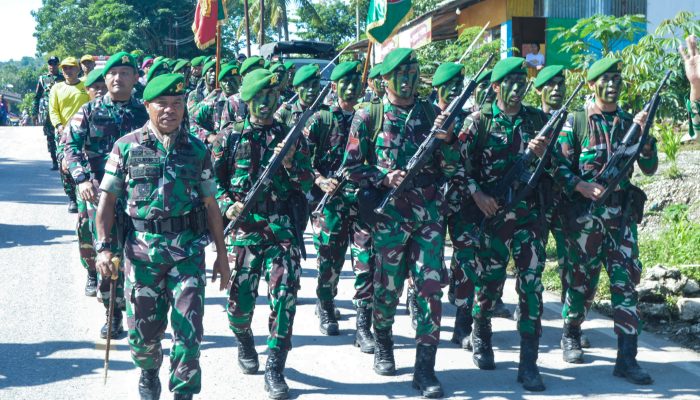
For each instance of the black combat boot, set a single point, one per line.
(481, 343)
(328, 323)
(117, 327)
(585, 341)
(54, 165)
(91, 284)
(451, 291)
(424, 378)
(463, 328)
(626, 364)
(72, 206)
(384, 363)
(275, 385)
(149, 384)
(571, 344)
(247, 356)
(528, 374)
(501, 311)
(183, 396)
(363, 334)
(412, 305)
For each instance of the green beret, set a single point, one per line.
(445, 72)
(172, 63)
(158, 58)
(208, 66)
(305, 73)
(228, 69)
(251, 63)
(289, 65)
(602, 66)
(548, 73)
(484, 76)
(121, 59)
(274, 67)
(159, 67)
(197, 61)
(345, 69)
(375, 71)
(164, 85)
(397, 57)
(93, 77)
(181, 64)
(256, 81)
(510, 65)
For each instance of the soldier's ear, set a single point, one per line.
(496, 87)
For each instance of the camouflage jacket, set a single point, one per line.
(288, 114)
(234, 111)
(582, 155)
(194, 98)
(41, 94)
(327, 136)
(236, 173)
(95, 128)
(693, 117)
(157, 183)
(368, 160)
(206, 119)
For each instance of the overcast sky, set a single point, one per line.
(16, 29)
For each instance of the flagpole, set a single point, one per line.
(247, 26)
(365, 71)
(218, 52)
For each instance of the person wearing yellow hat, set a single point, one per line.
(409, 234)
(584, 146)
(268, 243)
(65, 99)
(87, 64)
(164, 177)
(495, 137)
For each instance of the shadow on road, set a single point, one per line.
(29, 182)
(33, 365)
(30, 235)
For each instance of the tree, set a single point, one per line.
(275, 14)
(336, 22)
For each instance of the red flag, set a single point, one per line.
(206, 17)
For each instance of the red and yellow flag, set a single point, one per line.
(207, 16)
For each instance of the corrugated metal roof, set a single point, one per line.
(586, 8)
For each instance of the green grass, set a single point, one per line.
(678, 245)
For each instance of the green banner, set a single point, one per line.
(385, 17)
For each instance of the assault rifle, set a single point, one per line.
(263, 183)
(427, 148)
(519, 182)
(337, 175)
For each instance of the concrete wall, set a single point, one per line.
(659, 10)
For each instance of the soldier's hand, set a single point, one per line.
(64, 166)
(104, 265)
(211, 138)
(538, 145)
(287, 160)
(445, 135)
(234, 210)
(590, 190)
(221, 269)
(326, 184)
(641, 118)
(87, 192)
(487, 204)
(394, 178)
(691, 61)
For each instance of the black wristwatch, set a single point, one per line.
(101, 246)
(81, 178)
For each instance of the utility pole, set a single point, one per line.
(262, 22)
(357, 20)
(247, 26)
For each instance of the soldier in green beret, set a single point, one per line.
(283, 78)
(307, 85)
(493, 139)
(483, 94)
(409, 238)
(206, 85)
(266, 243)
(207, 119)
(251, 64)
(197, 64)
(184, 68)
(159, 67)
(95, 84)
(93, 131)
(375, 83)
(164, 176)
(41, 106)
(610, 236)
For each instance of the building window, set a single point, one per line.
(585, 8)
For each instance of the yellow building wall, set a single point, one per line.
(520, 8)
(479, 14)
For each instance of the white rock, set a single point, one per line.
(689, 309)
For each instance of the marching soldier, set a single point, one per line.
(41, 106)
(164, 175)
(206, 85)
(307, 85)
(375, 83)
(196, 73)
(208, 114)
(493, 139)
(409, 239)
(609, 237)
(267, 244)
(93, 131)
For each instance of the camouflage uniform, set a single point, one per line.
(411, 238)
(41, 109)
(610, 236)
(266, 243)
(519, 231)
(234, 111)
(693, 117)
(289, 114)
(164, 269)
(194, 98)
(206, 116)
(93, 131)
(338, 224)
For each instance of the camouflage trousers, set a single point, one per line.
(151, 290)
(415, 248)
(334, 228)
(85, 238)
(555, 221)
(607, 239)
(50, 141)
(463, 263)
(282, 268)
(103, 285)
(519, 232)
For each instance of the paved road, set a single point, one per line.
(50, 345)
